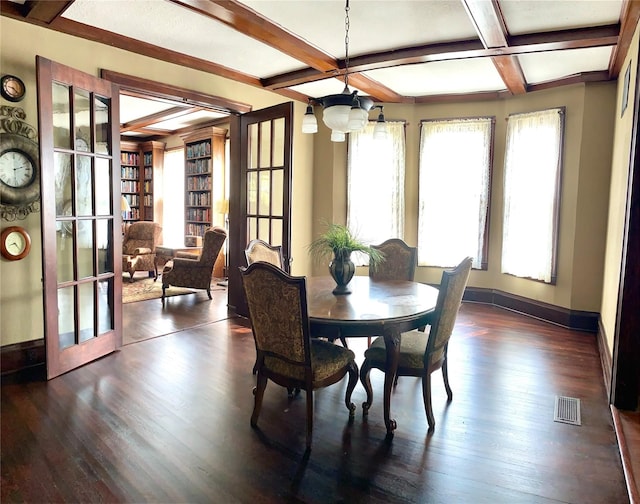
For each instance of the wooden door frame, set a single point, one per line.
(625, 382)
(237, 206)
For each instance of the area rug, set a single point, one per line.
(143, 289)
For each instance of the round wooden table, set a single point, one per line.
(374, 308)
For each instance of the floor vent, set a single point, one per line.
(567, 410)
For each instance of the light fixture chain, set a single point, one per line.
(346, 44)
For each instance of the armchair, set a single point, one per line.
(139, 248)
(194, 271)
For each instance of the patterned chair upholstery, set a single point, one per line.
(189, 270)
(423, 353)
(400, 261)
(259, 250)
(287, 355)
(139, 247)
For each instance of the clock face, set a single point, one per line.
(15, 243)
(12, 88)
(16, 169)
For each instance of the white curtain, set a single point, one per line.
(375, 180)
(455, 159)
(173, 196)
(532, 164)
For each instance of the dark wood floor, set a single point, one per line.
(166, 420)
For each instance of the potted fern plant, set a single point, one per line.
(336, 244)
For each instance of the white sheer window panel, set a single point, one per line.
(455, 168)
(173, 198)
(375, 180)
(531, 187)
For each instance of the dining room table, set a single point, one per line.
(373, 308)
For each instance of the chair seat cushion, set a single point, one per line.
(412, 347)
(326, 360)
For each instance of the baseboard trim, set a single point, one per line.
(571, 319)
(626, 454)
(23, 361)
(606, 360)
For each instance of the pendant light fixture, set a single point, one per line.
(344, 112)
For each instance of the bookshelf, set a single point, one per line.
(152, 162)
(130, 179)
(138, 164)
(204, 177)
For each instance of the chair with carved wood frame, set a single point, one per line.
(260, 250)
(399, 263)
(287, 354)
(423, 353)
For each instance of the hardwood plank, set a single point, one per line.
(167, 420)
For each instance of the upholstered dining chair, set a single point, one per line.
(423, 353)
(260, 250)
(399, 263)
(139, 247)
(190, 270)
(287, 355)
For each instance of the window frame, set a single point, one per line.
(556, 199)
(484, 258)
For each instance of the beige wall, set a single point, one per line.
(21, 302)
(588, 139)
(319, 176)
(618, 194)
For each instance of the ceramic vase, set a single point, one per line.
(342, 270)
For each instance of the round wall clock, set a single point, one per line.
(15, 243)
(19, 170)
(12, 88)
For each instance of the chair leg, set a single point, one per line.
(309, 417)
(366, 383)
(426, 395)
(164, 288)
(353, 380)
(258, 392)
(445, 378)
(209, 293)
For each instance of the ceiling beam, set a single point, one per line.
(522, 44)
(489, 23)
(45, 11)
(250, 23)
(164, 115)
(629, 17)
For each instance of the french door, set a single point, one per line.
(82, 242)
(262, 183)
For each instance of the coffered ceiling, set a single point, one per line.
(401, 51)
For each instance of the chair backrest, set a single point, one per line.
(278, 312)
(452, 288)
(141, 234)
(259, 250)
(211, 244)
(399, 263)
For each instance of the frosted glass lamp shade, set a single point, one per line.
(309, 122)
(337, 136)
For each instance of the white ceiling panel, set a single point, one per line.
(443, 77)
(179, 29)
(529, 16)
(546, 66)
(373, 25)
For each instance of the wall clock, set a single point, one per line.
(15, 243)
(12, 88)
(19, 170)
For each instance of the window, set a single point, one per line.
(455, 175)
(533, 159)
(375, 179)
